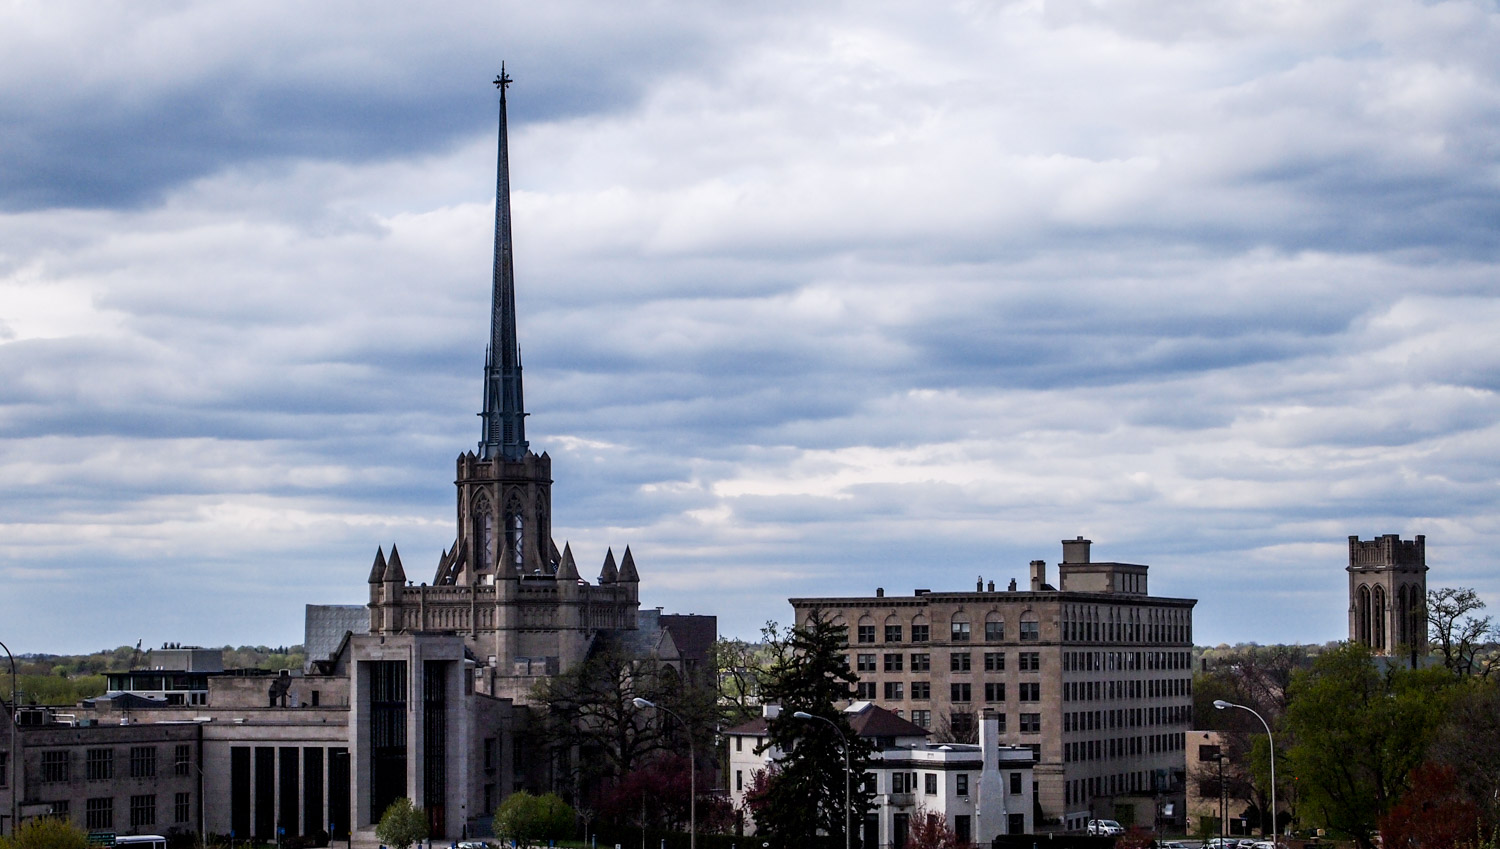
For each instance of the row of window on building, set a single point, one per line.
(1104, 720)
(959, 661)
(99, 814)
(99, 764)
(1115, 690)
(1110, 661)
(958, 632)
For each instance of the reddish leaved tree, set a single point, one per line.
(1433, 814)
(929, 830)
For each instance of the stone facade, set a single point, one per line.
(1388, 594)
(1095, 677)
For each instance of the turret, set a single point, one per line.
(609, 574)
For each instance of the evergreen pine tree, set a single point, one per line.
(805, 798)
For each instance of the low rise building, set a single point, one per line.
(983, 789)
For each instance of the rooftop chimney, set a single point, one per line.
(1038, 574)
(1076, 550)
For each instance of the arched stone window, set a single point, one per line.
(482, 534)
(994, 627)
(1031, 627)
(1362, 614)
(515, 531)
(1377, 618)
(958, 629)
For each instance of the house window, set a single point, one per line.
(893, 691)
(142, 811)
(1031, 691)
(865, 690)
(1208, 753)
(182, 807)
(54, 767)
(961, 782)
(867, 633)
(99, 814)
(994, 661)
(960, 632)
(1015, 784)
(184, 760)
(994, 632)
(739, 744)
(865, 663)
(143, 764)
(958, 662)
(994, 691)
(100, 764)
(920, 717)
(1030, 661)
(929, 783)
(1031, 723)
(1030, 631)
(919, 633)
(893, 662)
(1000, 719)
(921, 662)
(959, 692)
(893, 633)
(962, 723)
(739, 779)
(921, 690)
(903, 782)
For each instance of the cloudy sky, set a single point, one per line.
(813, 298)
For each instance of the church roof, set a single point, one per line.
(609, 574)
(393, 570)
(568, 569)
(627, 568)
(377, 572)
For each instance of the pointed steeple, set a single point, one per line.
(393, 571)
(377, 572)
(609, 574)
(568, 569)
(628, 574)
(504, 434)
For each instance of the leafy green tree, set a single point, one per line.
(1359, 732)
(805, 796)
(529, 819)
(46, 833)
(402, 824)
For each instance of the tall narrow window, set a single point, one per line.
(513, 533)
(483, 535)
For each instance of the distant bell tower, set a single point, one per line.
(1388, 594)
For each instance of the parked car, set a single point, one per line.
(1105, 828)
(1221, 843)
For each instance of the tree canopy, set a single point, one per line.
(46, 833)
(529, 819)
(1359, 731)
(402, 824)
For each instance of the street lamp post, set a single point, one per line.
(15, 745)
(1220, 704)
(692, 772)
(844, 744)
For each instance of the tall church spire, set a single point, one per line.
(504, 416)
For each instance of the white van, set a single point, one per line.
(142, 841)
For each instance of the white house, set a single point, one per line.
(982, 789)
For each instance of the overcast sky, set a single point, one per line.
(813, 298)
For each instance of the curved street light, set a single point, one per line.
(844, 744)
(692, 770)
(1220, 704)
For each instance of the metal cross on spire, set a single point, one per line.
(504, 432)
(502, 81)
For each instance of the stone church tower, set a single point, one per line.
(1388, 594)
(521, 605)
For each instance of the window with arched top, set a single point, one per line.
(1377, 617)
(994, 627)
(482, 534)
(1031, 627)
(515, 531)
(921, 629)
(958, 629)
(1362, 614)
